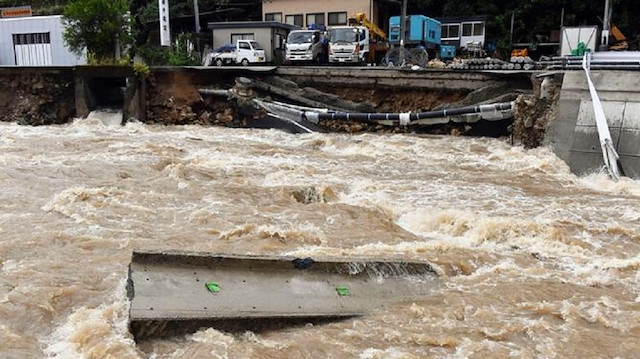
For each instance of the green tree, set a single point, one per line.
(99, 26)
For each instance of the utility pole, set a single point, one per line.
(196, 11)
(403, 26)
(604, 43)
(513, 18)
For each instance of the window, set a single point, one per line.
(273, 16)
(32, 49)
(473, 29)
(244, 46)
(236, 37)
(296, 20)
(315, 19)
(478, 29)
(337, 18)
(466, 29)
(451, 31)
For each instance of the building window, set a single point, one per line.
(296, 20)
(337, 18)
(473, 29)
(315, 19)
(236, 37)
(466, 29)
(32, 49)
(478, 29)
(451, 31)
(273, 16)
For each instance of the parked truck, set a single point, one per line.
(304, 46)
(360, 42)
(348, 44)
(244, 52)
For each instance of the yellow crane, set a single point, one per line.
(378, 45)
(360, 18)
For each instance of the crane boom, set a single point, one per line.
(361, 19)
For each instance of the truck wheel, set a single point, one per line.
(219, 62)
(244, 62)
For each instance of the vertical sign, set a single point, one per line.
(165, 31)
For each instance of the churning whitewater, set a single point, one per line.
(535, 262)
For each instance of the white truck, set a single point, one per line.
(349, 44)
(244, 52)
(303, 46)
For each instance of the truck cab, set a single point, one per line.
(303, 46)
(348, 44)
(249, 52)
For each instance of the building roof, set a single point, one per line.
(250, 24)
(31, 18)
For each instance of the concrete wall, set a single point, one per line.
(304, 7)
(573, 135)
(60, 54)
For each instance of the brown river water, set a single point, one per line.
(534, 261)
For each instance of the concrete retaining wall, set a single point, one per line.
(573, 135)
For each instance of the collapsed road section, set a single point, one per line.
(174, 293)
(308, 115)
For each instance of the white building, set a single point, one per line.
(35, 41)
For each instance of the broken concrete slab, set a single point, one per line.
(178, 292)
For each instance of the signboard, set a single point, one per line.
(20, 11)
(572, 37)
(165, 29)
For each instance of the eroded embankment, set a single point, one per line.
(37, 96)
(48, 96)
(173, 98)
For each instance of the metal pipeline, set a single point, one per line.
(406, 118)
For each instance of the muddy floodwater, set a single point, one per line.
(534, 261)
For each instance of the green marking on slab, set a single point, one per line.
(342, 291)
(213, 287)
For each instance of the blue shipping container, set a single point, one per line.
(419, 28)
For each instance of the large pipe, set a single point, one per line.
(405, 118)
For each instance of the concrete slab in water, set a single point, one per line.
(169, 294)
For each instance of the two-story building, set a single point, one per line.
(327, 13)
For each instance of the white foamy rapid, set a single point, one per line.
(535, 262)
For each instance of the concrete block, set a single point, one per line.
(587, 139)
(629, 143)
(603, 80)
(180, 289)
(613, 110)
(630, 166)
(631, 117)
(559, 134)
(582, 163)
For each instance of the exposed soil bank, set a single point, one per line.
(48, 96)
(37, 96)
(533, 113)
(399, 100)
